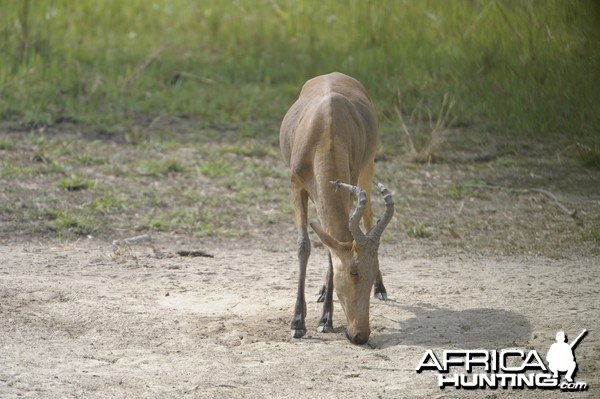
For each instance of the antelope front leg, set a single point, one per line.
(326, 322)
(298, 328)
(300, 203)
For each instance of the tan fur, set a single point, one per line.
(331, 133)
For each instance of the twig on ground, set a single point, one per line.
(563, 208)
(560, 205)
(195, 254)
(133, 240)
(572, 213)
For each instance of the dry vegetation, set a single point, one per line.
(210, 183)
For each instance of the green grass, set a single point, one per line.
(456, 192)
(9, 170)
(7, 144)
(217, 168)
(459, 192)
(88, 159)
(198, 222)
(525, 67)
(592, 234)
(418, 230)
(159, 168)
(75, 183)
(502, 162)
(108, 204)
(64, 222)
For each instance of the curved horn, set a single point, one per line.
(377, 230)
(361, 202)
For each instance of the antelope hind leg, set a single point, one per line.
(323, 290)
(321, 294)
(379, 289)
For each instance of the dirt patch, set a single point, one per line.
(88, 319)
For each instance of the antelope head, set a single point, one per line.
(356, 263)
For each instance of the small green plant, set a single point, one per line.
(217, 168)
(200, 222)
(418, 230)
(45, 165)
(10, 170)
(108, 204)
(505, 162)
(75, 183)
(64, 222)
(592, 234)
(160, 168)
(7, 144)
(90, 160)
(456, 192)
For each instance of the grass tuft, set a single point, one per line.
(7, 144)
(418, 230)
(217, 168)
(426, 151)
(63, 222)
(456, 192)
(75, 183)
(108, 204)
(592, 234)
(589, 155)
(160, 168)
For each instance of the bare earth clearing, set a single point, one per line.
(466, 266)
(86, 320)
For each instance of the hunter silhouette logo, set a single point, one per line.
(560, 356)
(507, 368)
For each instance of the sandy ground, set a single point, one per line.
(88, 319)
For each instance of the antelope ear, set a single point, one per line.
(328, 240)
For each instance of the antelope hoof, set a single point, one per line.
(324, 328)
(321, 294)
(297, 333)
(380, 292)
(298, 327)
(382, 296)
(325, 325)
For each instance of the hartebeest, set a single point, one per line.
(328, 139)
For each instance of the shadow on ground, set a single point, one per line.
(434, 327)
